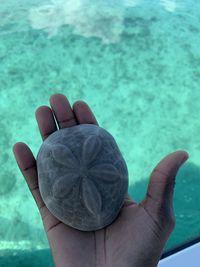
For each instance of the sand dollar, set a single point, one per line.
(83, 178)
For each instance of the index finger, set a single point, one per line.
(27, 165)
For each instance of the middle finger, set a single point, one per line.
(62, 110)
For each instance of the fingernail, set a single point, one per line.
(187, 156)
(184, 158)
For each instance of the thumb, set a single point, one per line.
(159, 197)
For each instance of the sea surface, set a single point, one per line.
(137, 65)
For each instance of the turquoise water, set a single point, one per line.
(136, 64)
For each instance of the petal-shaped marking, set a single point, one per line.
(91, 197)
(63, 155)
(91, 148)
(106, 172)
(64, 184)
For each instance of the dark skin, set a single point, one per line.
(138, 235)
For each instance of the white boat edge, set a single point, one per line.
(188, 256)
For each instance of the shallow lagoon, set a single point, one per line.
(137, 65)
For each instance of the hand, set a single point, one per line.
(138, 235)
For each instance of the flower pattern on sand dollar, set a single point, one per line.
(82, 172)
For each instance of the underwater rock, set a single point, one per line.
(83, 178)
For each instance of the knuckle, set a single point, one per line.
(165, 215)
(170, 222)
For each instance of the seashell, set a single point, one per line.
(82, 176)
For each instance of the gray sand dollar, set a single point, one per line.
(82, 176)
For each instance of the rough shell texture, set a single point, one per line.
(83, 178)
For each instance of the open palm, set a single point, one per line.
(138, 235)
